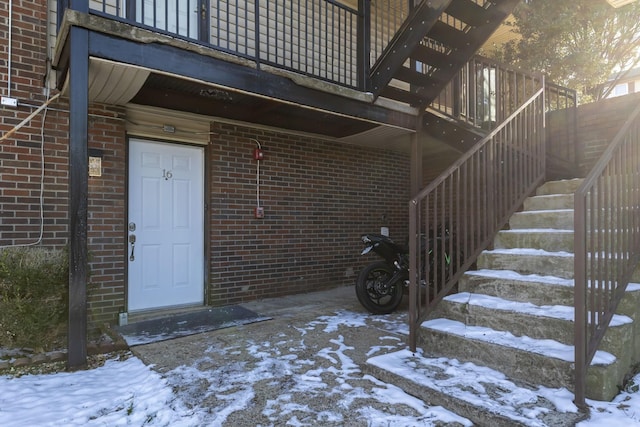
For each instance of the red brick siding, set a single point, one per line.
(20, 198)
(20, 173)
(20, 165)
(29, 41)
(107, 216)
(318, 198)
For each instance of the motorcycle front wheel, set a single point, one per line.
(373, 289)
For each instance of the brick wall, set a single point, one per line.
(318, 196)
(22, 168)
(107, 215)
(20, 156)
(20, 176)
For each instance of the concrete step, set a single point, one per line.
(553, 219)
(537, 261)
(565, 186)
(533, 288)
(551, 240)
(542, 361)
(555, 322)
(528, 261)
(536, 289)
(549, 202)
(516, 313)
(484, 396)
(521, 318)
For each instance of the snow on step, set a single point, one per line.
(546, 211)
(560, 312)
(480, 386)
(549, 201)
(538, 230)
(550, 239)
(547, 348)
(555, 218)
(551, 280)
(529, 251)
(541, 253)
(513, 275)
(529, 261)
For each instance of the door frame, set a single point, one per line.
(206, 226)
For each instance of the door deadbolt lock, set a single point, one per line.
(132, 227)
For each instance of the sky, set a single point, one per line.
(126, 392)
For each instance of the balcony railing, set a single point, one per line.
(325, 39)
(485, 92)
(318, 38)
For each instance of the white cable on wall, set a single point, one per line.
(42, 162)
(257, 175)
(9, 54)
(31, 116)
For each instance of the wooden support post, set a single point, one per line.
(78, 193)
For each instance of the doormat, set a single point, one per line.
(182, 325)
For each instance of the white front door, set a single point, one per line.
(166, 225)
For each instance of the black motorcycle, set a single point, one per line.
(381, 284)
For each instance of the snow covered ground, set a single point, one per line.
(130, 393)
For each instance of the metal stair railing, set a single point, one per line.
(606, 243)
(485, 92)
(469, 202)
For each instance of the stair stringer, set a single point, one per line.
(459, 27)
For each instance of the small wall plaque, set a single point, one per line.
(95, 166)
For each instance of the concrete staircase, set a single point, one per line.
(515, 314)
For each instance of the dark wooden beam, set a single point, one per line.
(253, 110)
(192, 65)
(78, 193)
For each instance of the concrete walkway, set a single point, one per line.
(301, 367)
(306, 366)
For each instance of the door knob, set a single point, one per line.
(132, 240)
